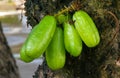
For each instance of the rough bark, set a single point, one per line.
(8, 67)
(102, 61)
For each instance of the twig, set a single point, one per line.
(117, 28)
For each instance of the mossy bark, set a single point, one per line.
(8, 67)
(102, 61)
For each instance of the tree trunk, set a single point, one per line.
(8, 67)
(102, 61)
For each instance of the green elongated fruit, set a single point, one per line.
(86, 28)
(55, 53)
(61, 18)
(40, 37)
(23, 55)
(72, 40)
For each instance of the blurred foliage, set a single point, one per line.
(11, 20)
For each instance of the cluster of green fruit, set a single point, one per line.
(53, 40)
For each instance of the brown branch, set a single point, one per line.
(117, 28)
